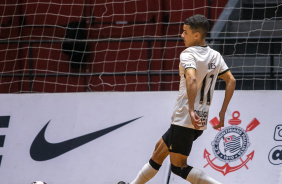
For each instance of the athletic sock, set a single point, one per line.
(148, 171)
(197, 176)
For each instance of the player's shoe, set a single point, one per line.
(122, 182)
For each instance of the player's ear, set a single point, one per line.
(197, 35)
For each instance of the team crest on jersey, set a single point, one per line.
(230, 145)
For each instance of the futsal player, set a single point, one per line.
(199, 68)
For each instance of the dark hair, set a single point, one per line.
(198, 23)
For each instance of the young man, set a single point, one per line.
(198, 69)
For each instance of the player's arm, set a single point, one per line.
(229, 90)
(191, 87)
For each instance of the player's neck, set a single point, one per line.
(202, 43)
(199, 43)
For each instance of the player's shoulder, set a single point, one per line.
(187, 51)
(197, 50)
(199, 53)
(186, 54)
(215, 52)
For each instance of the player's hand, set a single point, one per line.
(221, 120)
(196, 120)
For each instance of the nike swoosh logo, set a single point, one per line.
(42, 150)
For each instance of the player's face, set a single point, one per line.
(190, 38)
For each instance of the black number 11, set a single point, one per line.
(203, 90)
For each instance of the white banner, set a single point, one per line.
(103, 138)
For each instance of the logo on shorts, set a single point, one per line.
(230, 145)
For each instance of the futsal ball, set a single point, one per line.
(39, 182)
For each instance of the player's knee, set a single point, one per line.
(182, 172)
(154, 165)
(175, 170)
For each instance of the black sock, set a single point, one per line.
(182, 172)
(154, 164)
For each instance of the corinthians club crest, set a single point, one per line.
(230, 145)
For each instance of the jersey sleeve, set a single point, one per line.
(187, 60)
(223, 67)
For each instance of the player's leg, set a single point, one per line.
(179, 165)
(193, 175)
(181, 143)
(180, 148)
(151, 168)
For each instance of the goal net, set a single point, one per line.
(131, 45)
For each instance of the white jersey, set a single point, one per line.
(208, 64)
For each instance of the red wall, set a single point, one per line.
(47, 20)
